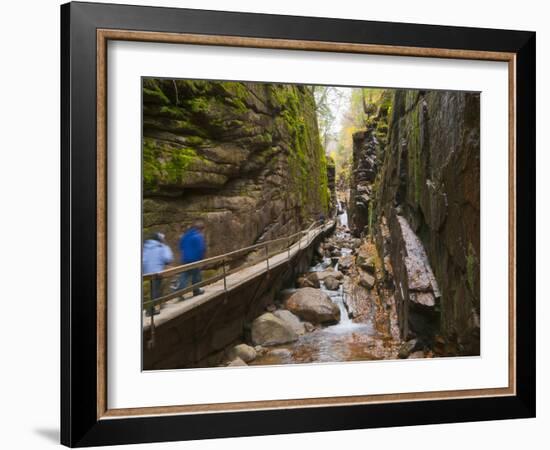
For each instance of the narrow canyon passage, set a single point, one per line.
(366, 329)
(249, 165)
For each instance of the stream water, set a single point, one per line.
(342, 218)
(348, 340)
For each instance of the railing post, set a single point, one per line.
(224, 276)
(288, 244)
(152, 312)
(310, 234)
(153, 299)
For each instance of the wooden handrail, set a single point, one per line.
(223, 259)
(220, 258)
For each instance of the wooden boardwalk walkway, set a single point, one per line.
(175, 308)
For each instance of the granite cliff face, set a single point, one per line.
(244, 157)
(368, 154)
(422, 190)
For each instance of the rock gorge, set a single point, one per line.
(244, 157)
(415, 193)
(393, 271)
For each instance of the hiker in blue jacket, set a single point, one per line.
(192, 248)
(156, 255)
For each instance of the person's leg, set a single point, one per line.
(183, 281)
(196, 278)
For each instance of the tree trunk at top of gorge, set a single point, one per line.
(244, 157)
(425, 200)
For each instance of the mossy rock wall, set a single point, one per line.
(368, 152)
(244, 157)
(430, 175)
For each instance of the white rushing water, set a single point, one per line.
(342, 218)
(345, 325)
(342, 341)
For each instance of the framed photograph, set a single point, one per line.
(276, 224)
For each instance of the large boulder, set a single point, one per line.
(280, 353)
(292, 320)
(237, 362)
(313, 306)
(242, 351)
(268, 329)
(366, 280)
(407, 348)
(331, 283)
(365, 261)
(329, 273)
(354, 242)
(345, 263)
(309, 280)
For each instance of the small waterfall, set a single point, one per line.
(345, 325)
(337, 297)
(323, 265)
(344, 341)
(342, 216)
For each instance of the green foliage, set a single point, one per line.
(151, 169)
(367, 108)
(199, 104)
(238, 104)
(195, 141)
(324, 191)
(329, 100)
(152, 89)
(307, 160)
(173, 111)
(209, 109)
(179, 161)
(202, 113)
(164, 164)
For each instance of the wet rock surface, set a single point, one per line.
(331, 283)
(366, 280)
(236, 363)
(268, 330)
(291, 320)
(245, 352)
(367, 326)
(309, 280)
(417, 290)
(345, 263)
(407, 348)
(330, 272)
(365, 263)
(313, 306)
